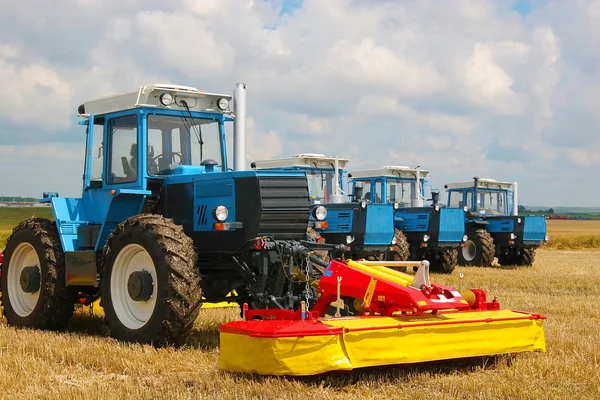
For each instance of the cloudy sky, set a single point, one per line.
(502, 89)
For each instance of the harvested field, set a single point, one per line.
(84, 362)
(573, 234)
(562, 284)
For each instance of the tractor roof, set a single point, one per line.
(484, 183)
(391, 171)
(150, 96)
(305, 160)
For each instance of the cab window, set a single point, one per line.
(123, 165)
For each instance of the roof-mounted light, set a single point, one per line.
(166, 99)
(223, 104)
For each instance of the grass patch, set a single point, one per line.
(3, 238)
(11, 216)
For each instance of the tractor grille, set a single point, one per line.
(285, 207)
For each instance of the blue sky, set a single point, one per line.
(502, 89)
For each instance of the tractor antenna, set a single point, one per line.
(197, 131)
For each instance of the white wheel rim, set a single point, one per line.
(21, 301)
(133, 314)
(469, 250)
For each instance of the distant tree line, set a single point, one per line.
(523, 210)
(18, 199)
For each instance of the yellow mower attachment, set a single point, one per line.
(406, 320)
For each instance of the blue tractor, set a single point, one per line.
(159, 210)
(493, 226)
(434, 233)
(367, 229)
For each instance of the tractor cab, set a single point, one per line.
(366, 228)
(398, 185)
(433, 232)
(154, 132)
(493, 226)
(483, 196)
(327, 176)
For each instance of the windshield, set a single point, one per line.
(320, 185)
(179, 140)
(492, 202)
(456, 199)
(400, 192)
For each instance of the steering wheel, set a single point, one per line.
(172, 153)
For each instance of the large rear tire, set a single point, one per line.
(478, 249)
(150, 285)
(34, 292)
(446, 263)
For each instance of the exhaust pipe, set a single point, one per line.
(337, 196)
(239, 127)
(417, 200)
(476, 199)
(515, 210)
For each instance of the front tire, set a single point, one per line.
(34, 292)
(150, 286)
(446, 263)
(401, 250)
(478, 249)
(525, 258)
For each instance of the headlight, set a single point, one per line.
(394, 240)
(166, 99)
(221, 213)
(513, 236)
(396, 206)
(518, 220)
(466, 208)
(320, 213)
(465, 238)
(437, 207)
(223, 103)
(349, 239)
(425, 238)
(363, 204)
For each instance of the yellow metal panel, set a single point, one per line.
(306, 355)
(309, 355)
(222, 304)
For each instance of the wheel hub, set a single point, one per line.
(140, 286)
(30, 279)
(469, 250)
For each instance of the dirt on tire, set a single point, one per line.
(56, 302)
(179, 293)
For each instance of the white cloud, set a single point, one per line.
(32, 93)
(486, 83)
(369, 63)
(461, 88)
